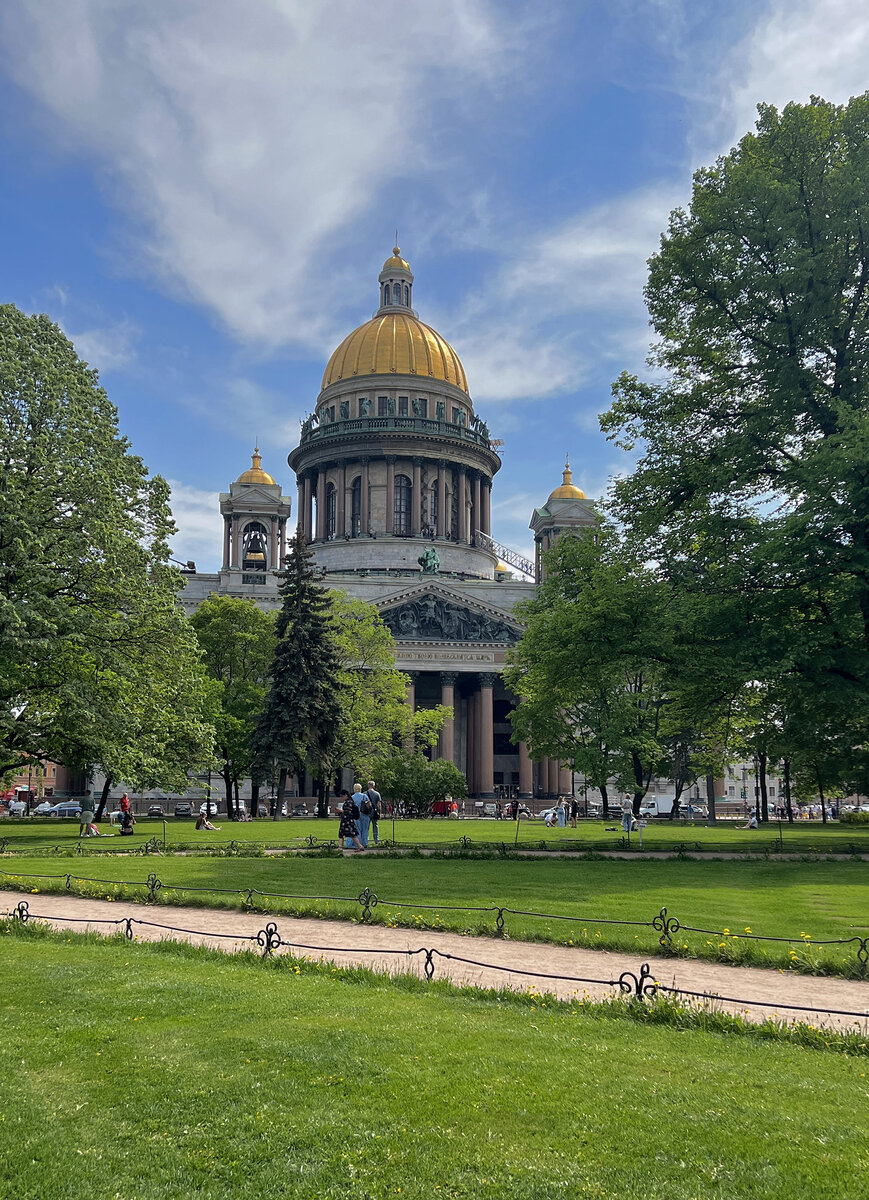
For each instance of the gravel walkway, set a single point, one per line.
(486, 962)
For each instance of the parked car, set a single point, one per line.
(299, 810)
(183, 810)
(42, 810)
(67, 808)
(17, 808)
(209, 808)
(156, 811)
(263, 810)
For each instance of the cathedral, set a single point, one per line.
(395, 472)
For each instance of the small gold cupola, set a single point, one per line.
(568, 489)
(396, 282)
(255, 472)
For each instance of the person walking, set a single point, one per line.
(347, 826)
(86, 818)
(363, 824)
(574, 812)
(376, 808)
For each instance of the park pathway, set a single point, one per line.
(479, 961)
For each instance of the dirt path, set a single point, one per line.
(493, 963)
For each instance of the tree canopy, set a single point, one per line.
(751, 492)
(97, 662)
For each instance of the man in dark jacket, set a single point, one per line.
(376, 806)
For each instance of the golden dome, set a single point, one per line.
(568, 489)
(395, 343)
(396, 263)
(502, 569)
(255, 473)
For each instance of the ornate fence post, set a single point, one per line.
(639, 986)
(368, 900)
(666, 926)
(269, 939)
(153, 884)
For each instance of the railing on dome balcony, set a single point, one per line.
(512, 557)
(394, 424)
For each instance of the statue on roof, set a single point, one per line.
(429, 561)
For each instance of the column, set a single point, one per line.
(390, 494)
(537, 575)
(463, 505)
(305, 514)
(526, 773)
(273, 542)
(365, 519)
(283, 537)
(341, 502)
(543, 776)
(442, 499)
(472, 741)
(448, 700)
(487, 735)
(321, 505)
(300, 505)
(410, 700)
(227, 534)
(486, 500)
(476, 512)
(416, 508)
(553, 776)
(234, 542)
(565, 781)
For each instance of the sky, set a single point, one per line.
(201, 193)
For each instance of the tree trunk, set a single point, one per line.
(254, 800)
(604, 795)
(823, 803)
(764, 802)
(322, 806)
(104, 795)
(227, 786)
(235, 797)
(279, 801)
(790, 811)
(710, 796)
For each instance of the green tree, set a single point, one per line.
(410, 779)
(97, 665)
(752, 486)
(376, 717)
(594, 664)
(300, 723)
(237, 640)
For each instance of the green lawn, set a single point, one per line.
(801, 837)
(776, 898)
(154, 1072)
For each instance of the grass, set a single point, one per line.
(145, 1072)
(802, 837)
(775, 898)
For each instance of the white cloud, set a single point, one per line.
(250, 412)
(110, 348)
(796, 49)
(200, 527)
(248, 138)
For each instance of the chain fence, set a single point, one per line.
(662, 923)
(638, 985)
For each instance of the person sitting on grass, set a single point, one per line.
(751, 823)
(202, 822)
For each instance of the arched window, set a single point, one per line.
(401, 522)
(356, 507)
(331, 512)
(396, 293)
(433, 506)
(254, 542)
(406, 296)
(386, 293)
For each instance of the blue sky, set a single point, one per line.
(202, 192)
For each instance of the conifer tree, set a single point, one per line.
(301, 719)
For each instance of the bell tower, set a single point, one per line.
(255, 515)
